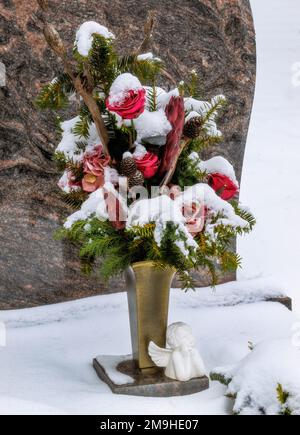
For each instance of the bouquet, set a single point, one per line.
(131, 161)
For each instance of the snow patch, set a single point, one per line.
(68, 144)
(94, 203)
(139, 152)
(219, 165)
(153, 127)
(163, 99)
(160, 208)
(255, 379)
(204, 194)
(84, 36)
(148, 56)
(110, 364)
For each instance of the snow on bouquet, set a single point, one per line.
(131, 161)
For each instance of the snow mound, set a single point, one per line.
(95, 202)
(204, 194)
(84, 36)
(256, 381)
(152, 126)
(69, 142)
(197, 108)
(149, 57)
(233, 293)
(219, 165)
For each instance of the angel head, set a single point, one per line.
(180, 334)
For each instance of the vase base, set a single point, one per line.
(121, 375)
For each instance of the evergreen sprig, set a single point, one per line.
(146, 70)
(82, 127)
(55, 95)
(74, 198)
(118, 249)
(152, 99)
(244, 214)
(213, 108)
(101, 61)
(187, 171)
(283, 397)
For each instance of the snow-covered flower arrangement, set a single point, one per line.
(131, 161)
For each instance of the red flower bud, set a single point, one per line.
(223, 186)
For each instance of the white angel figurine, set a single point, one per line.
(182, 360)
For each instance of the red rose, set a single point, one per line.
(176, 116)
(131, 106)
(93, 168)
(223, 186)
(148, 165)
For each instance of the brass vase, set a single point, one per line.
(148, 291)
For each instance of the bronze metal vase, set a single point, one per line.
(148, 291)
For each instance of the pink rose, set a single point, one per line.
(195, 215)
(148, 165)
(93, 168)
(131, 106)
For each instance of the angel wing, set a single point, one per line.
(161, 357)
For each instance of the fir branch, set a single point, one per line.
(101, 62)
(146, 70)
(283, 397)
(152, 99)
(204, 142)
(55, 95)
(61, 161)
(194, 86)
(146, 231)
(187, 171)
(82, 127)
(216, 104)
(244, 214)
(75, 198)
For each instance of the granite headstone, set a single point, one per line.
(216, 37)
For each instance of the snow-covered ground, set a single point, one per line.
(45, 367)
(270, 183)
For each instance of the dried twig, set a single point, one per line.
(148, 34)
(54, 41)
(43, 4)
(148, 42)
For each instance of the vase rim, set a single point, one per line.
(139, 264)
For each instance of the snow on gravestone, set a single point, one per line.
(214, 36)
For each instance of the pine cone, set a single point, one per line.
(193, 127)
(128, 166)
(137, 179)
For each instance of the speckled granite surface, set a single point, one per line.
(214, 36)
